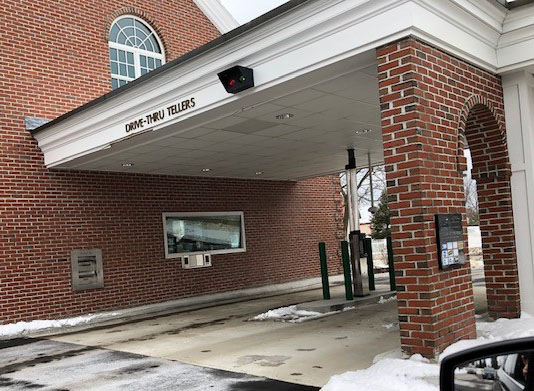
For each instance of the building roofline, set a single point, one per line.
(218, 15)
(223, 39)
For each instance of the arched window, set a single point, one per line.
(134, 49)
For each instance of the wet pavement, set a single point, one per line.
(39, 364)
(224, 338)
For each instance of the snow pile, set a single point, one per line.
(499, 330)
(390, 372)
(384, 301)
(25, 328)
(290, 314)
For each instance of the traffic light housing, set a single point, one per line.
(237, 79)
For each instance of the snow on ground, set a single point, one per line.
(384, 301)
(499, 330)
(25, 328)
(390, 372)
(290, 314)
(293, 315)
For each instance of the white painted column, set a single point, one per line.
(352, 188)
(519, 111)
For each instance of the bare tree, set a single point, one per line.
(471, 200)
(364, 189)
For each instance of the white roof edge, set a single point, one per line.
(280, 51)
(218, 15)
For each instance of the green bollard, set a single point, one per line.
(346, 270)
(370, 267)
(392, 283)
(324, 271)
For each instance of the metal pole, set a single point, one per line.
(350, 206)
(355, 255)
(354, 200)
(346, 270)
(352, 192)
(324, 271)
(392, 283)
(354, 215)
(370, 266)
(371, 179)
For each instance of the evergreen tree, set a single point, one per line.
(380, 221)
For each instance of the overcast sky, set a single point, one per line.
(246, 10)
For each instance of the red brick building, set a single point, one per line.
(127, 172)
(56, 58)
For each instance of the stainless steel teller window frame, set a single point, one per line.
(204, 214)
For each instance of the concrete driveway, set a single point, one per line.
(27, 364)
(222, 337)
(215, 348)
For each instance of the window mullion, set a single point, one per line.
(137, 63)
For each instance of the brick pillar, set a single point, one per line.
(420, 120)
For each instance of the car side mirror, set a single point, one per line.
(500, 366)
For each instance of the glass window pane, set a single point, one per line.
(130, 58)
(129, 31)
(114, 83)
(122, 56)
(131, 72)
(113, 54)
(158, 62)
(148, 45)
(121, 39)
(150, 62)
(143, 61)
(123, 70)
(137, 42)
(140, 34)
(142, 27)
(125, 22)
(114, 33)
(114, 68)
(122, 82)
(143, 71)
(203, 233)
(155, 44)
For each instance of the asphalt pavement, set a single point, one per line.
(27, 364)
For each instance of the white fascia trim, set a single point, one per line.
(311, 36)
(519, 18)
(218, 15)
(486, 11)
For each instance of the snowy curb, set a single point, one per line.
(391, 372)
(35, 326)
(293, 315)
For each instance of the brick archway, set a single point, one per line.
(427, 98)
(491, 170)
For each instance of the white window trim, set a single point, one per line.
(211, 252)
(136, 51)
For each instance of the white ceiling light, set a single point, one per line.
(259, 172)
(206, 169)
(284, 116)
(127, 164)
(363, 131)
